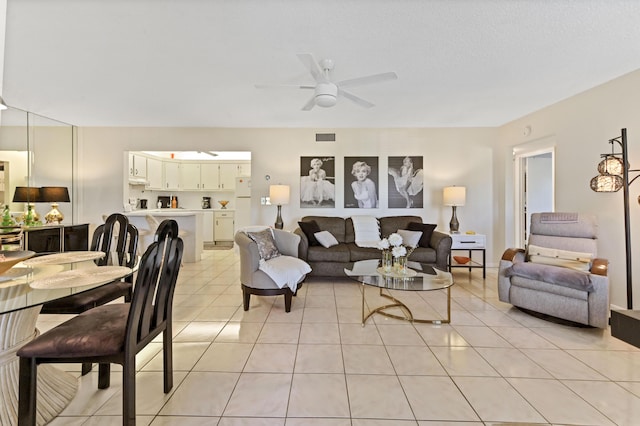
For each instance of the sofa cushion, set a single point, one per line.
(326, 239)
(427, 230)
(339, 253)
(410, 238)
(310, 228)
(551, 274)
(363, 253)
(391, 224)
(424, 255)
(335, 225)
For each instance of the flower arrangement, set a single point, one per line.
(394, 242)
(393, 246)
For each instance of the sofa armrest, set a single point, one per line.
(441, 243)
(303, 247)
(287, 242)
(599, 267)
(513, 255)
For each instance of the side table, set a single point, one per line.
(469, 243)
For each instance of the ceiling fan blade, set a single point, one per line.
(376, 78)
(310, 104)
(284, 86)
(354, 98)
(312, 65)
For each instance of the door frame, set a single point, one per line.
(521, 153)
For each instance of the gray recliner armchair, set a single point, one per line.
(559, 274)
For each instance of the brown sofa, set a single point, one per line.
(332, 261)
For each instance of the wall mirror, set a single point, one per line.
(36, 151)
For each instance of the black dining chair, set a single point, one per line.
(113, 333)
(122, 253)
(120, 249)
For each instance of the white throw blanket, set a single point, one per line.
(366, 230)
(285, 270)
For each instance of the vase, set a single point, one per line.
(400, 265)
(387, 260)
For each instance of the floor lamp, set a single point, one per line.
(613, 176)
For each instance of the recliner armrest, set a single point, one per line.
(599, 267)
(513, 254)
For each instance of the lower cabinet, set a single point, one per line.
(46, 239)
(223, 226)
(207, 226)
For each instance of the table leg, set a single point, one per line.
(408, 314)
(56, 388)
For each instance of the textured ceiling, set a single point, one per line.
(195, 63)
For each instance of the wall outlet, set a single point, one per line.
(265, 201)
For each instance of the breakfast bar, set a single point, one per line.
(189, 222)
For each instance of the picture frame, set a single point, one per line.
(317, 182)
(361, 182)
(405, 182)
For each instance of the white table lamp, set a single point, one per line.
(279, 195)
(454, 196)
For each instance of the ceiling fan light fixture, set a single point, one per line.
(326, 94)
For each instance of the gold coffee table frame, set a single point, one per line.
(426, 278)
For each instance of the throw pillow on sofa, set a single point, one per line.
(410, 238)
(427, 230)
(310, 229)
(326, 239)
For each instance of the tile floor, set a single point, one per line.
(318, 366)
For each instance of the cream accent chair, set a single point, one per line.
(581, 297)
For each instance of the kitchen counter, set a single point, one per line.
(189, 223)
(164, 212)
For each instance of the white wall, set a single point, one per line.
(451, 156)
(582, 125)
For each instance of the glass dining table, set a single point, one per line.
(23, 290)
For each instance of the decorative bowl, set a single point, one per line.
(224, 203)
(8, 258)
(461, 259)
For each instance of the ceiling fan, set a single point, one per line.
(326, 91)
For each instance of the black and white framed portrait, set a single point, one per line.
(405, 182)
(361, 182)
(317, 182)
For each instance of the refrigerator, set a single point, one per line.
(242, 216)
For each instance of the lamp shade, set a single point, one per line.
(454, 195)
(26, 194)
(611, 165)
(54, 194)
(606, 183)
(279, 194)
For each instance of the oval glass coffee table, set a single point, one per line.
(420, 277)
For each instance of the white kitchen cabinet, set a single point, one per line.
(137, 166)
(209, 176)
(228, 174)
(207, 226)
(190, 176)
(244, 169)
(171, 175)
(223, 227)
(154, 173)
